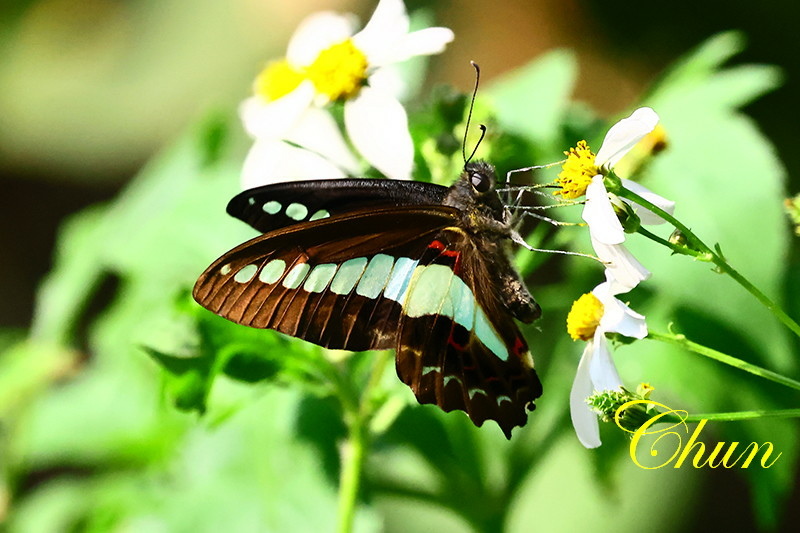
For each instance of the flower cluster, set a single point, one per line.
(327, 62)
(584, 173)
(600, 312)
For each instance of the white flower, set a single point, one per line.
(327, 61)
(583, 173)
(592, 316)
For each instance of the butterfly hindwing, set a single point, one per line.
(458, 346)
(337, 282)
(282, 204)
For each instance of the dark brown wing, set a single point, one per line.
(337, 282)
(458, 346)
(278, 205)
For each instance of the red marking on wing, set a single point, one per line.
(519, 347)
(439, 246)
(452, 341)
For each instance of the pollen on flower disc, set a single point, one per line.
(584, 317)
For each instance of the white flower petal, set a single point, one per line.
(619, 318)
(584, 420)
(389, 80)
(316, 33)
(602, 370)
(270, 161)
(378, 127)
(626, 270)
(624, 135)
(387, 26)
(598, 212)
(647, 217)
(424, 42)
(272, 120)
(317, 131)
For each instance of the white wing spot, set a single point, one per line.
(296, 275)
(246, 274)
(296, 211)
(322, 213)
(428, 369)
(501, 399)
(272, 207)
(448, 379)
(475, 392)
(272, 271)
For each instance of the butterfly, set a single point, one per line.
(369, 264)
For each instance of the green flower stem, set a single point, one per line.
(682, 341)
(745, 415)
(676, 248)
(353, 456)
(733, 417)
(358, 411)
(704, 252)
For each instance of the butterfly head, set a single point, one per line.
(475, 196)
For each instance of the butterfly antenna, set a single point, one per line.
(469, 117)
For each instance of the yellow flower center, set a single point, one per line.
(340, 71)
(577, 171)
(584, 317)
(278, 79)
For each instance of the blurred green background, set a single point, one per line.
(90, 91)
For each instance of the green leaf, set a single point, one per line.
(533, 100)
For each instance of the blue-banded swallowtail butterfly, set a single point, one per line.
(367, 264)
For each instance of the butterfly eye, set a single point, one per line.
(480, 181)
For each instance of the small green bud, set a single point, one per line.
(627, 216)
(607, 403)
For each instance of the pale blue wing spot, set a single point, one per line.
(449, 378)
(428, 369)
(322, 213)
(436, 290)
(429, 287)
(397, 285)
(272, 207)
(487, 335)
(251, 201)
(348, 275)
(272, 271)
(225, 270)
(375, 276)
(319, 278)
(501, 399)
(296, 275)
(463, 303)
(246, 274)
(473, 392)
(296, 211)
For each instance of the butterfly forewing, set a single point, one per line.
(458, 347)
(282, 204)
(337, 282)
